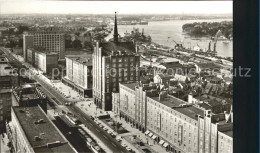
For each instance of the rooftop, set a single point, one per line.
(85, 59)
(47, 131)
(228, 133)
(130, 85)
(5, 90)
(175, 103)
(109, 47)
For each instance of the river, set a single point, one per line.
(164, 32)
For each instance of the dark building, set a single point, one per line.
(113, 62)
(29, 95)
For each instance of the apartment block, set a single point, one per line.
(31, 131)
(79, 73)
(52, 41)
(113, 62)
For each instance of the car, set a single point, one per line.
(123, 145)
(113, 135)
(105, 129)
(93, 118)
(96, 122)
(109, 132)
(128, 148)
(118, 139)
(100, 125)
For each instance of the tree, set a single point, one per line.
(76, 44)
(88, 44)
(68, 43)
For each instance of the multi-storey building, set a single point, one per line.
(113, 62)
(31, 56)
(115, 102)
(8, 76)
(31, 131)
(177, 125)
(29, 95)
(46, 61)
(225, 141)
(52, 41)
(210, 125)
(79, 73)
(133, 102)
(5, 107)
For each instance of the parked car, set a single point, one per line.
(109, 132)
(113, 134)
(128, 148)
(123, 145)
(92, 117)
(118, 139)
(105, 129)
(100, 125)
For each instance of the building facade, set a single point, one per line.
(79, 73)
(52, 41)
(29, 95)
(177, 125)
(46, 62)
(115, 102)
(30, 131)
(113, 62)
(225, 141)
(5, 107)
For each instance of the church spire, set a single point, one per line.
(115, 30)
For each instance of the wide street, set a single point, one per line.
(52, 93)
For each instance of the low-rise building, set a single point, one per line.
(79, 73)
(31, 131)
(29, 95)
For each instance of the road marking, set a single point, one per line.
(84, 118)
(113, 144)
(97, 130)
(122, 151)
(105, 136)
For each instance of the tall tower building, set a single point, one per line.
(113, 63)
(51, 41)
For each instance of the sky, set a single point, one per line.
(109, 7)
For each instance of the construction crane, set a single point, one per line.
(178, 45)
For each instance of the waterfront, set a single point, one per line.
(161, 30)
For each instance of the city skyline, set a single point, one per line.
(123, 7)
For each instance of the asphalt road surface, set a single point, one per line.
(106, 138)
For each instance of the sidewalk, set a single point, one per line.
(139, 134)
(3, 144)
(99, 142)
(89, 108)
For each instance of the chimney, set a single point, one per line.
(162, 95)
(190, 98)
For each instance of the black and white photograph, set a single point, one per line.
(117, 76)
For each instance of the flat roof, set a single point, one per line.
(130, 85)
(46, 130)
(5, 90)
(228, 133)
(175, 103)
(85, 59)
